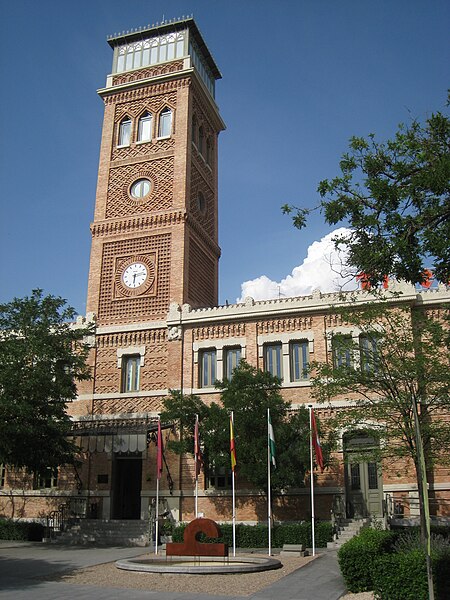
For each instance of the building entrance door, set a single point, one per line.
(127, 480)
(364, 488)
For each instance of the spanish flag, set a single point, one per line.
(232, 446)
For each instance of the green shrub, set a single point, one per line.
(442, 530)
(358, 556)
(256, 536)
(21, 531)
(401, 576)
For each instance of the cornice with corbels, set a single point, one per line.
(144, 89)
(136, 224)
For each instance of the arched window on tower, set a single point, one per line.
(165, 123)
(194, 129)
(209, 152)
(124, 132)
(201, 140)
(145, 127)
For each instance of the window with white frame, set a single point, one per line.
(145, 127)
(299, 360)
(2, 475)
(125, 132)
(369, 352)
(143, 53)
(273, 359)
(207, 366)
(47, 479)
(131, 367)
(232, 358)
(342, 347)
(165, 123)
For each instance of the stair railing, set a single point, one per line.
(56, 521)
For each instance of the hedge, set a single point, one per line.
(403, 576)
(394, 565)
(20, 530)
(256, 536)
(358, 556)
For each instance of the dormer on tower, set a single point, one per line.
(155, 230)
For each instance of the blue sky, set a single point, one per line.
(299, 78)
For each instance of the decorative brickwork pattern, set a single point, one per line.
(222, 331)
(153, 374)
(143, 150)
(149, 102)
(127, 405)
(120, 203)
(204, 215)
(107, 376)
(284, 325)
(118, 310)
(148, 72)
(202, 276)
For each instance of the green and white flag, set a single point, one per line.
(272, 449)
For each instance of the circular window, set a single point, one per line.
(141, 188)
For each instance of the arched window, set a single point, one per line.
(165, 123)
(201, 140)
(145, 127)
(125, 132)
(194, 129)
(209, 152)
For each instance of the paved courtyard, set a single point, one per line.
(34, 571)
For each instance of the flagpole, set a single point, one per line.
(234, 495)
(196, 466)
(157, 487)
(312, 481)
(269, 501)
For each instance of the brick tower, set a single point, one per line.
(154, 235)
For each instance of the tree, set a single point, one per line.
(395, 195)
(41, 358)
(395, 374)
(249, 394)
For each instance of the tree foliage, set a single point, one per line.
(404, 362)
(395, 195)
(41, 358)
(249, 394)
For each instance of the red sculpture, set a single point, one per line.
(192, 547)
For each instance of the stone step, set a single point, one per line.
(105, 533)
(294, 550)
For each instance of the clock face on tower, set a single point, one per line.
(135, 275)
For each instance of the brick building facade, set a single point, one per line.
(153, 295)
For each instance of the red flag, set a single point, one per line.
(197, 450)
(232, 446)
(316, 441)
(159, 456)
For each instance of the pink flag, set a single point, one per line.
(197, 450)
(316, 441)
(159, 456)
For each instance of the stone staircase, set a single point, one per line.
(97, 532)
(347, 529)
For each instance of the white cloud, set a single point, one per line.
(323, 269)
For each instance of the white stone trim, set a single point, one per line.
(218, 346)
(130, 351)
(105, 329)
